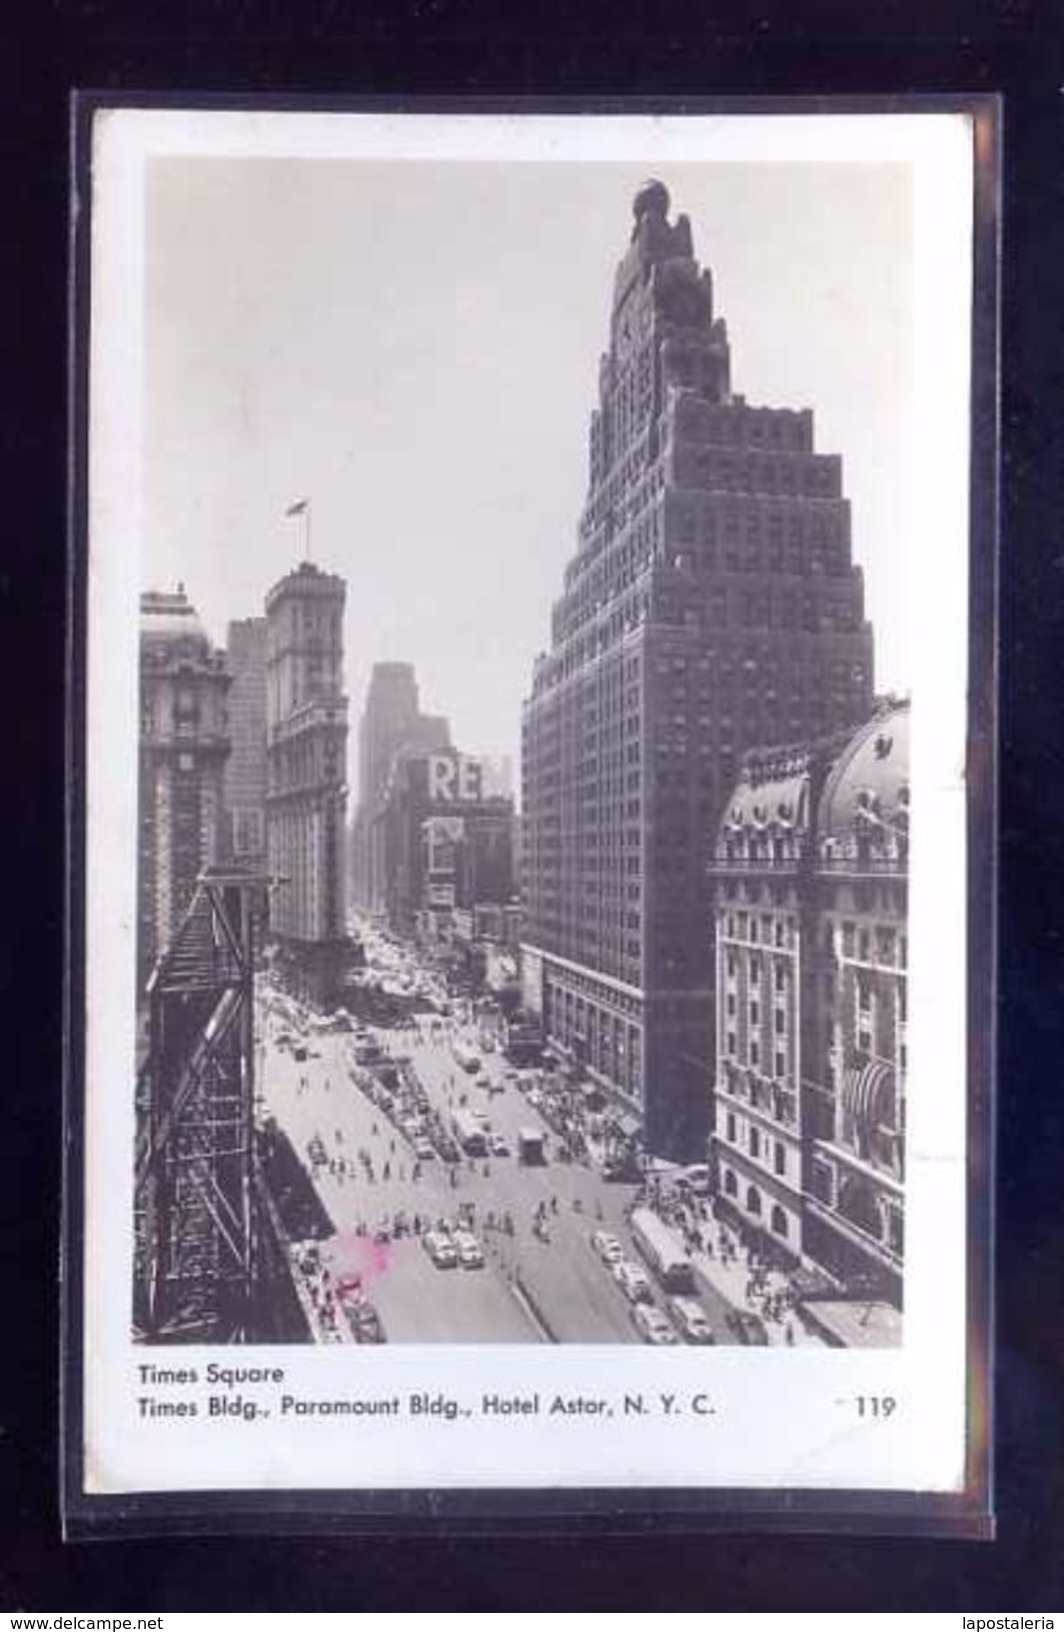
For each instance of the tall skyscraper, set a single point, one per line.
(184, 743)
(712, 604)
(245, 770)
(306, 720)
(391, 722)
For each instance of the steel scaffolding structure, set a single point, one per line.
(208, 1260)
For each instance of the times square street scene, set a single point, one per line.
(437, 1192)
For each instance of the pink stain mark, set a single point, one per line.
(356, 1261)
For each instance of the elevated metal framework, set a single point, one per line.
(209, 1265)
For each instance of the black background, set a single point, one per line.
(437, 47)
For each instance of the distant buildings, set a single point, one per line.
(245, 770)
(443, 834)
(392, 722)
(810, 875)
(184, 744)
(712, 604)
(306, 720)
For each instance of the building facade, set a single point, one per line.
(712, 603)
(392, 722)
(306, 721)
(810, 878)
(245, 769)
(184, 745)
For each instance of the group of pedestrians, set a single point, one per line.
(751, 1273)
(317, 1279)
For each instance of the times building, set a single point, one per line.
(306, 724)
(711, 604)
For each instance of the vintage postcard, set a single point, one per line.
(526, 891)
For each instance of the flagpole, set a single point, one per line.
(306, 513)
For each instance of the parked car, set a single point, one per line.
(653, 1324)
(607, 1246)
(633, 1282)
(691, 1320)
(746, 1327)
(365, 1322)
(499, 1146)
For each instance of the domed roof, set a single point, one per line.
(170, 616)
(869, 781)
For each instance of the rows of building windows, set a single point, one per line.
(761, 1145)
(803, 475)
(597, 1024)
(771, 1214)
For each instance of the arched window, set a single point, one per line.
(753, 1201)
(779, 1221)
(730, 1186)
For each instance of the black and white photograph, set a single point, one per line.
(526, 809)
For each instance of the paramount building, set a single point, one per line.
(711, 605)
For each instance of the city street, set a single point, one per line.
(550, 1286)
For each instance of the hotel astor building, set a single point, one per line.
(712, 604)
(811, 882)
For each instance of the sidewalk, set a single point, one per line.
(730, 1280)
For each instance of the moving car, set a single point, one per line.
(633, 1282)
(441, 1249)
(607, 1246)
(424, 1149)
(653, 1324)
(468, 1248)
(691, 1319)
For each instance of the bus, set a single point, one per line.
(662, 1251)
(466, 1056)
(468, 1132)
(524, 1041)
(531, 1149)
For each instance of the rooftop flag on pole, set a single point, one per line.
(297, 509)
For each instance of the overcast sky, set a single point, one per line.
(415, 347)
